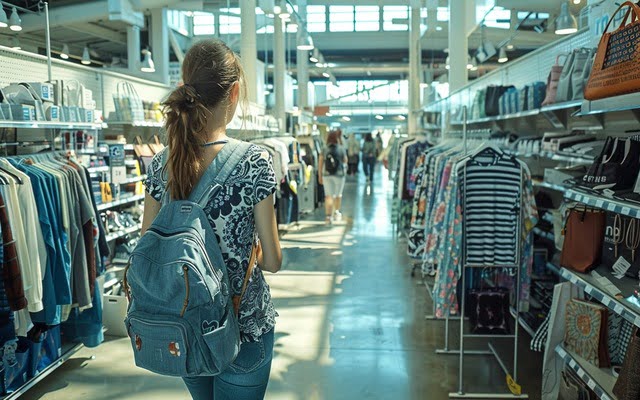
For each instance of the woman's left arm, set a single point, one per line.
(270, 253)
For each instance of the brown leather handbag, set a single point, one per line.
(616, 68)
(583, 237)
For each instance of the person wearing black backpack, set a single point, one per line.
(332, 163)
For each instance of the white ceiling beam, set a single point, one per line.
(99, 31)
(111, 10)
(187, 5)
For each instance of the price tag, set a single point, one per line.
(620, 267)
(579, 198)
(513, 386)
(607, 301)
(611, 207)
(573, 279)
(599, 203)
(591, 384)
(626, 210)
(118, 174)
(589, 289)
(618, 309)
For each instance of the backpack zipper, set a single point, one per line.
(194, 238)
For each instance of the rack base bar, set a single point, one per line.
(45, 372)
(488, 396)
(471, 336)
(467, 352)
(495, 354)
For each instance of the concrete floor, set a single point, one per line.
(351, 325)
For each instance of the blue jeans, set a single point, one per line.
(246, 378)
(369, 164)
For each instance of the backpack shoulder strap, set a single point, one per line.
(218, 172)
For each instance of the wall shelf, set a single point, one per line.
(50, 125)
(122, 233)
(600, 380)
(605, 203)
(144, 124)
(121, 202)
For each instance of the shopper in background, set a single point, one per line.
(379, 144)
(353, 151)
(369, 156)
(332, 162)
(196, 115)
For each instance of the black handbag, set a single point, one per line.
(492, 99)
(488, 311)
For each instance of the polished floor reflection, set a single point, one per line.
(351, 324)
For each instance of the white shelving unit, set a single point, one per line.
(117, 235)
(600, 380)
(605, 203)
(50, 125)
(121, 202)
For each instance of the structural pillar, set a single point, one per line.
(458, 45)
(160, 43)
(303, 59)
(279, 71)
(248, 47)
(133, 48)
(415, 66)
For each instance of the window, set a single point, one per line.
(367, 18)
(341, 18)
(316, 19)
(229, 22)
(391, 13)
(266, 29)
(178, 21)
(443, 14)
(203, 23)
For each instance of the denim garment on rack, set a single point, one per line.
(86, 326)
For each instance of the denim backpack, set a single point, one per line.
(181, 318)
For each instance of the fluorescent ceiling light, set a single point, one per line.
(65, 52)
(284, 10)
(313, 59)
(147, 64)
(566, 23)
(502, 58)
(402, 117)
(86, 57)
(345, 118)
(320, 65)
(329, 114)
(4, 22)
(304, 42)
(326, 74)
(379, 117)
(15, 23)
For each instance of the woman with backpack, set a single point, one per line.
(369, 156)
(353, 150)
(196, 115)
(332, 162)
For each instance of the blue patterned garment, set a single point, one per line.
(231, 215)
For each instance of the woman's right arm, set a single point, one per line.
(270, 256)
(320, 169)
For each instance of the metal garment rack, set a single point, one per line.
(461, 394)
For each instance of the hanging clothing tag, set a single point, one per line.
(621, 267)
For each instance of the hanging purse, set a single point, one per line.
(581, 72)
(583, 238)
(489, 311)
(616, 69)
(627, 386)
(552, 81)
(586, 332)
(619, 337)
(563, 92)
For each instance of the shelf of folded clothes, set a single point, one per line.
(50, 125)
(124, 232)
(600, 380)
(619, 298)
(621, 203)
(625, 102)
(121, 202)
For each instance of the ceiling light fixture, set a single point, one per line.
(469, 62)
(4, 22)
(329, 114)
(576, 1)
(315, 57)
(402, 117)
(15, 43)
(474, 64)
(284, 10)
(86, 57)
(379, 117)
(147, 64)
(15, 23)
(326, 74)
(503, 58)
(566, 23)
(345, 118)
(304, 41)
(447, 62)
(64, 54)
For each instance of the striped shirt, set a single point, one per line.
(491, 207)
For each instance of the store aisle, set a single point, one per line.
(351, 323)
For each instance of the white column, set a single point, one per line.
(160, 43)
(415, 67)
(133, 48)
(248, 47)
(303, 59)
(279, 71)
(458, 45)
